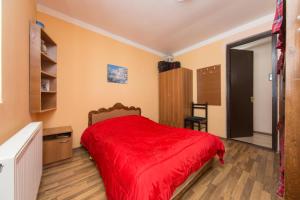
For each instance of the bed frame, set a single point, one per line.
(119, 110)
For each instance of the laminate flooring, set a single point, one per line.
(249, 172)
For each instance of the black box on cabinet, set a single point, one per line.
(165, 66)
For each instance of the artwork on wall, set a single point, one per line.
(117, 74)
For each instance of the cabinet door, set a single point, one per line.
(184, 95)
(170, 98)
(163, 97)
(178, 98)
(292, 111)
(57, 149)
(189, 93)
(167, 97)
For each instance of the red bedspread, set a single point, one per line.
(139, 159)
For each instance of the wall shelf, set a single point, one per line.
(43, 68)
(46, 58)
(47, 75)
(48, 92)
(46, 110)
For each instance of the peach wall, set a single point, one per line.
(14, 111)
(212, 54)
(82, 76)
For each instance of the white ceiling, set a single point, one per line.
(166, 26)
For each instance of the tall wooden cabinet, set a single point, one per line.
(292, 102)
(175, 96)
(42, 92)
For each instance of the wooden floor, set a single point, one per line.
(249, 173)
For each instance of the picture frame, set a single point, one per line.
(117, 74)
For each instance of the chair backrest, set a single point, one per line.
(203, 106)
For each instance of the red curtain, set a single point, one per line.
(279, 28)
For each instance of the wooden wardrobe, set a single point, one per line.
(175, 96)
(292, 102)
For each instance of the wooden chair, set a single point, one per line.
(200, 121)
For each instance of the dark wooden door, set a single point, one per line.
(241, 95)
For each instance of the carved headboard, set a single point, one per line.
(118, 110)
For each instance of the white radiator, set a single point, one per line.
(21, 164)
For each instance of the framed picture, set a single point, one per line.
(117, 74)
(45, 85)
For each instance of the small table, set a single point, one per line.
(57, 144)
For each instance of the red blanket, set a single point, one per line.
(139, 159)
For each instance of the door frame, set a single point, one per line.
(274, 81)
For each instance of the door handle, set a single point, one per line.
(252, 99)
(1, 167)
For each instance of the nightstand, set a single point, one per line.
(57, 144)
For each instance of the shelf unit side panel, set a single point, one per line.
(35, 69)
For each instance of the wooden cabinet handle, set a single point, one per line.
(65, 141)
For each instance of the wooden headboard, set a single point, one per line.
(118, 110)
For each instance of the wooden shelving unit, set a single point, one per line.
(43, 67)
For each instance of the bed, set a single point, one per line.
(141, 159)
